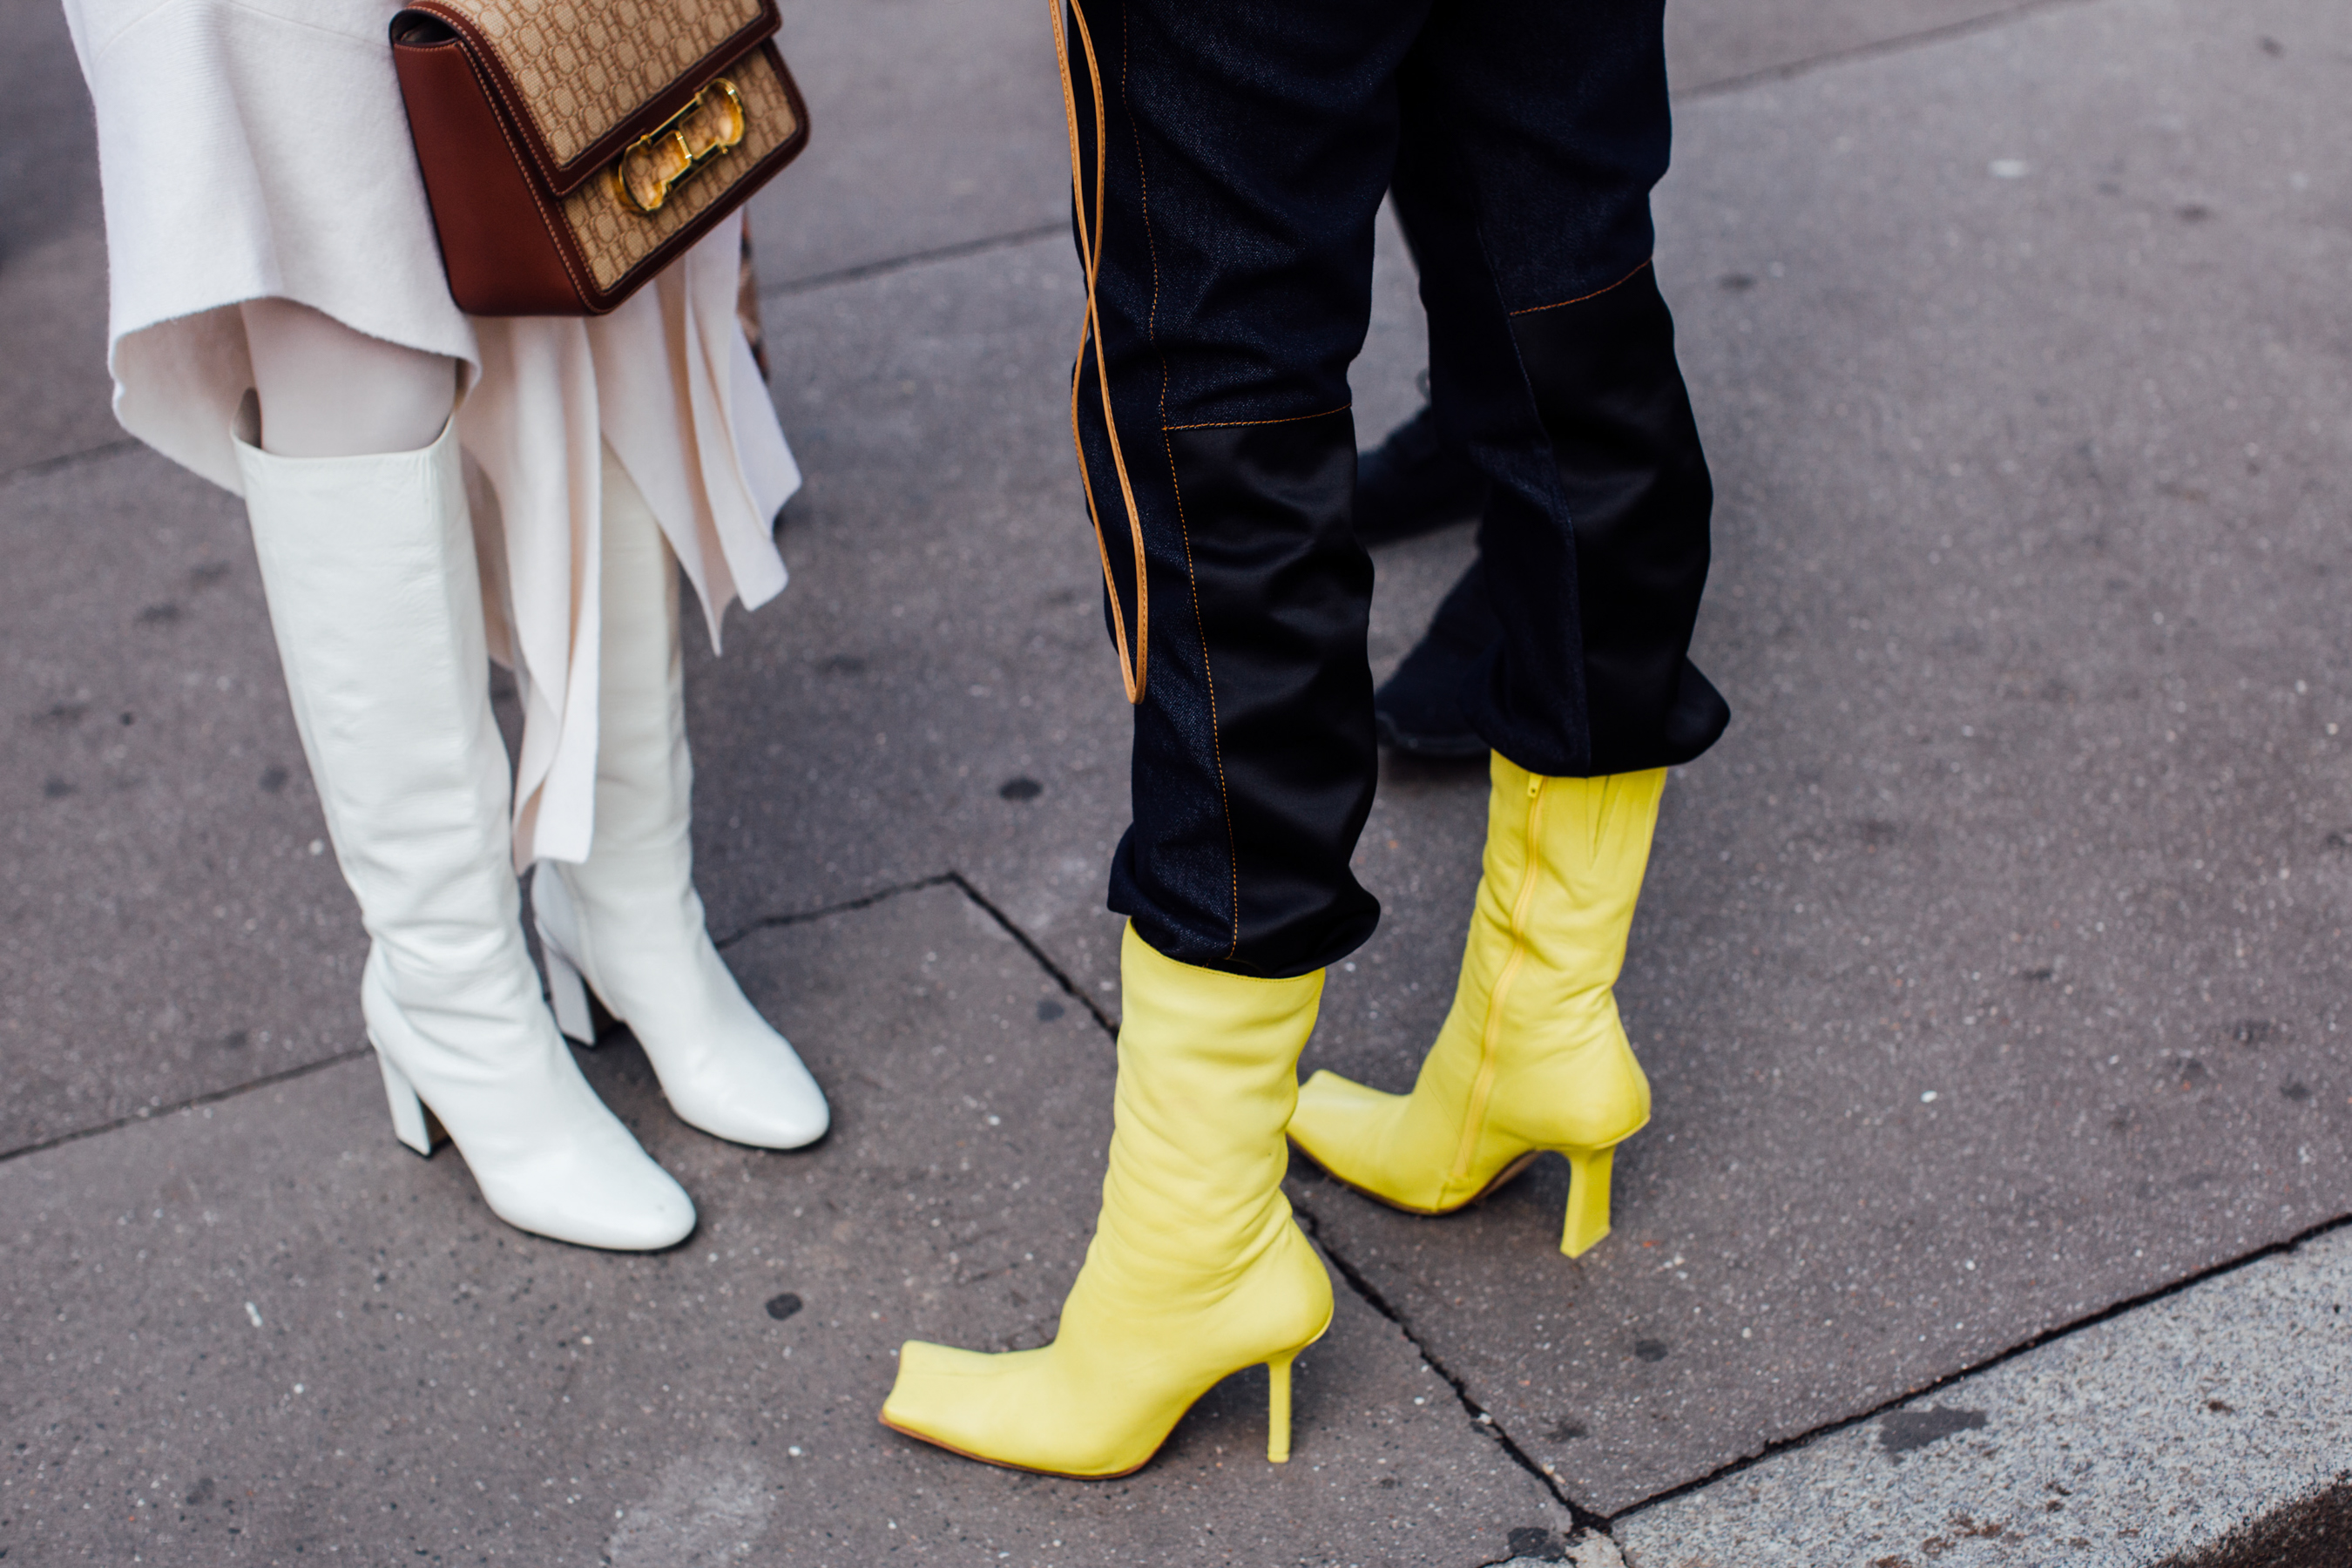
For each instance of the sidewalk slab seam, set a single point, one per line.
(2156, 1432)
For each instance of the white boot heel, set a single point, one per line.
(567, 992)
(412, 1123)
(567, 995)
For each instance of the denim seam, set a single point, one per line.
(1236, 424)
(1151, 335)
(1551, 451)
(1150, 241)
(1216, 742)
(1581, 298)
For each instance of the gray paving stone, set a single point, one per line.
(932, 123)
(1992, 969)
(49, 162)
(53, 397)
(166, 928)
(2166, 1431)
(1591, 1549)
(941, 637)
(261, 1332)
(1713, 44)
(2314, 1532)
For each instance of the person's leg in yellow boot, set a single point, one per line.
(1532, 1056)
(1552, 360)
(1195, 1266)
(1210, 410)
(1196, 1269)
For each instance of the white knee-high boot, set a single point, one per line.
(368, 567)
(628, 922)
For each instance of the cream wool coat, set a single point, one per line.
(258, 148)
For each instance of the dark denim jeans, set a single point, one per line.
(1247, 146)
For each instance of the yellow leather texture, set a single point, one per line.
(1197, 1268)
(1531, 1057)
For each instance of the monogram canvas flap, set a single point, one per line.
(583, 78)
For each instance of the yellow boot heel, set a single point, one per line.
(1532, 1056)
(1277, 1408)
(1587, 1199)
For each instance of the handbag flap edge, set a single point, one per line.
(561, 175)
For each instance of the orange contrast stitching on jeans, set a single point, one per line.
(1090, 240)
(1581, 298)
(1217, 742)
(1236, 424)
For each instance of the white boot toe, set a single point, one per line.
(550, 1157)
(601, 1191)
(747, 1084)
(627, 923)
(724, 1068)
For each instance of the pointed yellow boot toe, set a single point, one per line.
(1532, 1056)
(965, 1401)
(1196, 1269)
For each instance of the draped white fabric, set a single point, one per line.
(253, 149)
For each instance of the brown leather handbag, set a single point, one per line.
(571, 148)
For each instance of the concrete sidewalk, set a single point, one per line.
(2202, 1429)
(1990, 972)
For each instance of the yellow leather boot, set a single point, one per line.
(1196, 1269)
(1532, 1056)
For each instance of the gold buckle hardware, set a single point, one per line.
(713, 123)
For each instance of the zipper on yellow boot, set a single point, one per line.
(1482, 1087)
(1587, 1220)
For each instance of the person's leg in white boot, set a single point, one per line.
(360, 526)
(628, 922)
